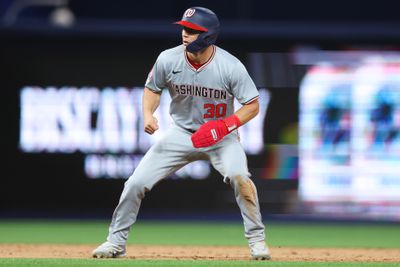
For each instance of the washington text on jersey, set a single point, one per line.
(197, 90)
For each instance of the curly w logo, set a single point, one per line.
(189, 12)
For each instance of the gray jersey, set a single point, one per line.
(203, 94)
(197, 96)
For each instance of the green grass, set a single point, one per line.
(173, 263)
(336, 235)
(175, 233)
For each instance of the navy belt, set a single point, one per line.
(189, 130)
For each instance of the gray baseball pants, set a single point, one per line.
(174, 151)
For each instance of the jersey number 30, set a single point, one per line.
(214, 111)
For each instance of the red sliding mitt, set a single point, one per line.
(212, 132)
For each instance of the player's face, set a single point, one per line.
(189, 35)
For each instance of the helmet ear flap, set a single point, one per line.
(199, 44)
(203, 41)
(211, 38)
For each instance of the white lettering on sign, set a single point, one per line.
(90, 120)
(106, 125)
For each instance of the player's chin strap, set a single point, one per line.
(212, 132)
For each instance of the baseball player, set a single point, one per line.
(203, 81)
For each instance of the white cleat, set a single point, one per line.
(260, 251)
(109, 250)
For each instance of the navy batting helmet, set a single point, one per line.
(201, 19)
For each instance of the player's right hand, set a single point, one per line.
(150, 125)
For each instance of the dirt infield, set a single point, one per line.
(204, 253)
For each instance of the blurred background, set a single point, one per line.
(326, 144)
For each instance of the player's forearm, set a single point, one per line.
(151, 101)
(247, 112)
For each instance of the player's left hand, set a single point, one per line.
(209, 134)
(212, 132)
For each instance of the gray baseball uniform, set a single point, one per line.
(198, 95)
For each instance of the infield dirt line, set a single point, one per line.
(204, 253)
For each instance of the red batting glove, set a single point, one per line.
(212, 132)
